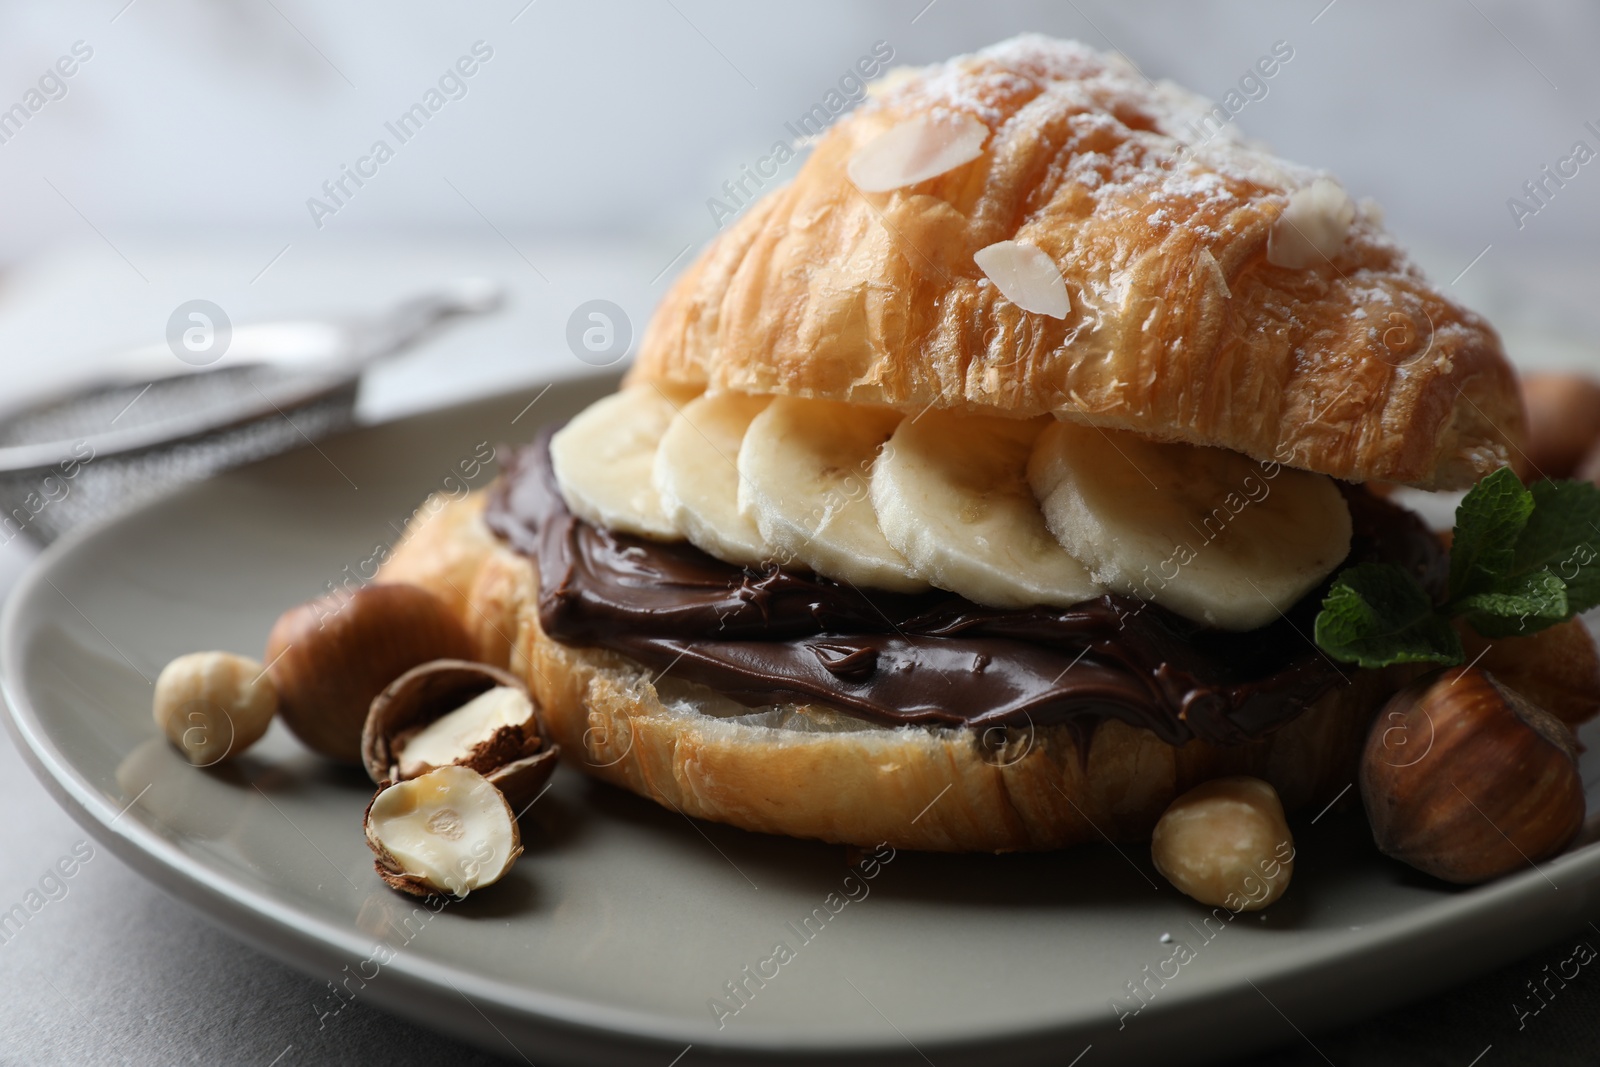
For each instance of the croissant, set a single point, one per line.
(1032, 230)
(1182, 327)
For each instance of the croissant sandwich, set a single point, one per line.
(978, 490)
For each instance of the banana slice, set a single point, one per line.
(1211, 534)
(603, 459)
(697, 474)
(804, 468)
(951, 493)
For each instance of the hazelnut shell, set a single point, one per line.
(1563, 423)
(1466, 779)
(1558, 668)
(331, 656)
(432, 690)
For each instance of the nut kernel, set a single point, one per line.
(1225, 842)
(213, 705)
(452, 712)
(445, 833)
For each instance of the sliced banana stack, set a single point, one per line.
(804, 470)
(696, 473)
(1007, 513)
(951, 494)
(1211, 534)
(605, 456)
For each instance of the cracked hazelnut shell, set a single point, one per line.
(331, 656)
(518, 762)
(1466, 779)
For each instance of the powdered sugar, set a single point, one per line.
(1029, 80)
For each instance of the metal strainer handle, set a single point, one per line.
(410, 319)
(149, 421)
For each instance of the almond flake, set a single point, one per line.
(1025, 276)
(918, 149)
(1313, 227)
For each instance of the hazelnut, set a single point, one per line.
(1563, 422)
(444, 833)
(330, 657)
(1466, 779)
(451, 712)
(1589, 467)
(214, 705)
(1225, 842)
(1557, 668)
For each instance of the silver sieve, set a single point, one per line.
(102, 443)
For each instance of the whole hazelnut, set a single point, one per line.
(1589, 467)
(1226, 843)
(1466, 779)
(214, 705)
(1558, 668)
(330, 657)
(453, 713)
(1563, 421)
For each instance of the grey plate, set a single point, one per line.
(624, 920)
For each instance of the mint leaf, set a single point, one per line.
(1377, 614)
(1522, 560)
(1547, 570)
(1489, 521)
(1522, 604)
(1563, 536)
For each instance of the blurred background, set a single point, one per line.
(577, 161)
(196, 151)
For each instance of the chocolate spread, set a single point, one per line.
(775, 635)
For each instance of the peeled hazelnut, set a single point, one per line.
(451, 712)
(1563, 422)
(1466, 779)
(214, 705)
(1225, 842)
(445, 833)
(330, 657)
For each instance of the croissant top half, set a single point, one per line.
(1214, 294)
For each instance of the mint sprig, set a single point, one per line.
(1522, 559)
(1377, 614)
